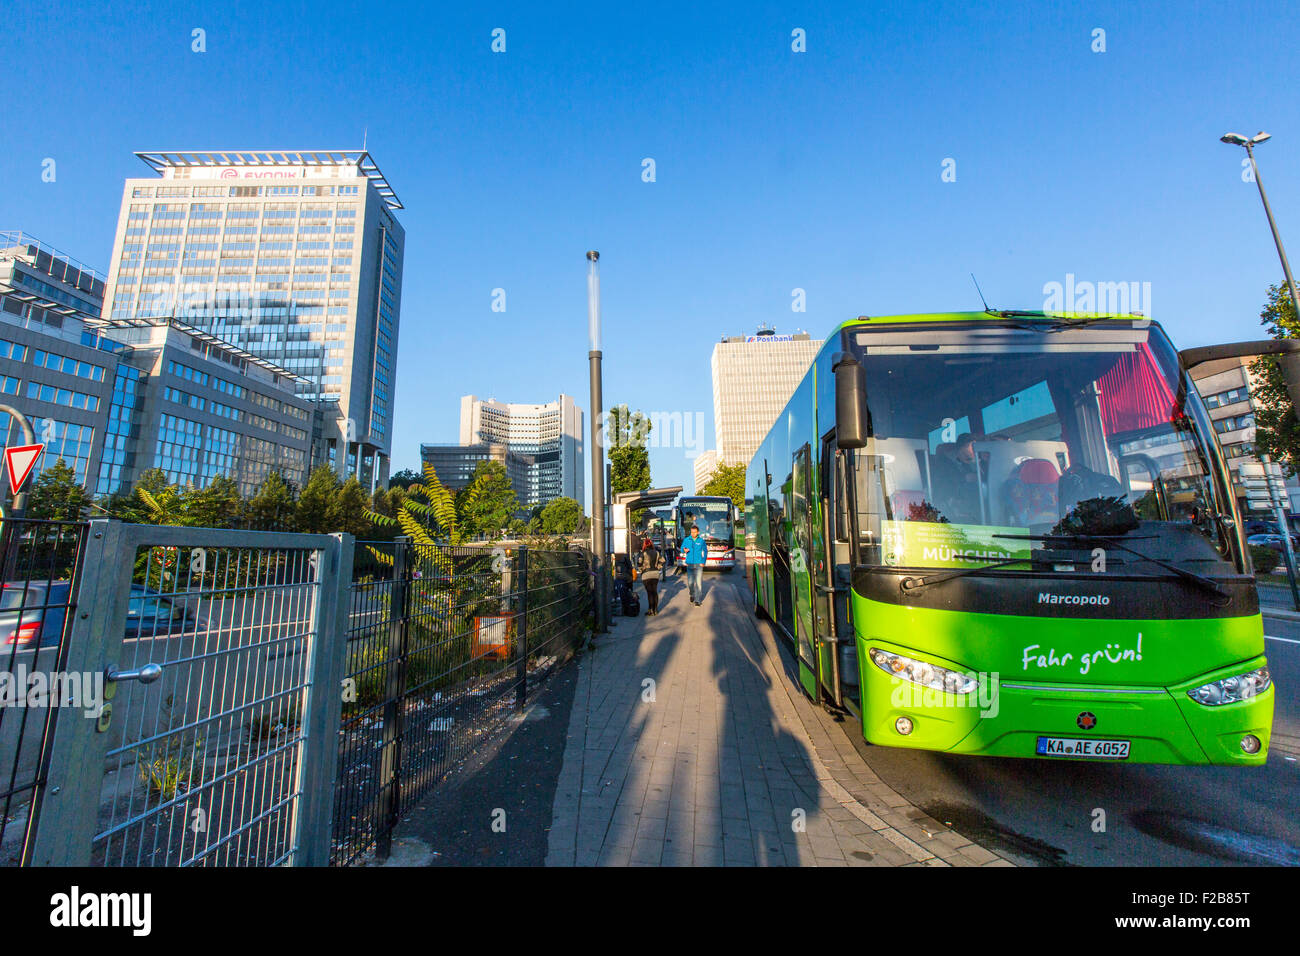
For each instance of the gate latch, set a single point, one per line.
(145, 675)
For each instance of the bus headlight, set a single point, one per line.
(919, 672)
(1229, 690)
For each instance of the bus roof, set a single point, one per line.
(992, 316)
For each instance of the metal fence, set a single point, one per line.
(218, 656)
(443, 643)
(40, 561)
(245, 698)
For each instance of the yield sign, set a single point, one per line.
(20, 461)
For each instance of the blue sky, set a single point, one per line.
(775, 170)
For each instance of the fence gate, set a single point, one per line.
(216, 740)
(41, 561)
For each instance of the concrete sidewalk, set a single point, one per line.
(690, 744)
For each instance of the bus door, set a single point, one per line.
(807, 564)
(778, 521)
(838, 660)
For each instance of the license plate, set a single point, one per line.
(1084, 747)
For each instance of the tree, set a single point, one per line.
(154, 505)
(561, 516)
(404, 478)
(488, 502)
(426, 512)
(1277, 432)
(272, 507)
(130, 507)
(629, 462)
(56, 496)
(629, 469)
(624, 428)
(727, 481)
(219, 505)
(312, 514)
(347, 510)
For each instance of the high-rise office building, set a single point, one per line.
(199, 409)
(294, 257)
(550, 435)
(753, 377)
(114, 399)
(54, 370)
(455, 464)
(704, 466)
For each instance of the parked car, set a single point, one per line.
(32, 613)
(1274, 541)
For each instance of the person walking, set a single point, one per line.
(694, 552)
(650, 576)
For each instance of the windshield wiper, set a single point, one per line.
(1048, 324)
(1197, 579)
(911, 584)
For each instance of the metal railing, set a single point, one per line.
(213, 744)
(255, 702)
(443, 643)
(40, 562)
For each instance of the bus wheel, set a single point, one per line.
(758, 608)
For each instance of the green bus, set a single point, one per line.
(1011, 534)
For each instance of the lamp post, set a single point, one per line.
(597, 444)
(1290, 364)
(1234, 139)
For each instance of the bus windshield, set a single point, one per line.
(1059, 449)
(713, 515)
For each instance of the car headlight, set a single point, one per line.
(919, 672)
(1232, 689)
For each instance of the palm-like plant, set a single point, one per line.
(428, 512)
(166, 507)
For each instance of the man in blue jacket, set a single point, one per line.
(694, 553)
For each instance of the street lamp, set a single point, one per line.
(1236, 139)
(597, 445)
(1287, 363)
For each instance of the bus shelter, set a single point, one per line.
(624, 504)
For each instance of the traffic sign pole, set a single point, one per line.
(19, 506)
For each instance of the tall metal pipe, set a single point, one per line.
(597, 444)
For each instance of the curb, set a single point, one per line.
(926, 844)
(1285, 614)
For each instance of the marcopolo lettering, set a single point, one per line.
(1046, 598)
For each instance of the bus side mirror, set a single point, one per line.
(1286, 350)
(852, 420)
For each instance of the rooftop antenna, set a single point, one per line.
(364, 134)
(981, 294)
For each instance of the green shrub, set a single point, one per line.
(1264, 559)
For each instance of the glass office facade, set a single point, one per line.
(295, 258)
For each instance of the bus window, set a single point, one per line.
(1074, 433)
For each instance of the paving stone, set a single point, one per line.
(710, 772)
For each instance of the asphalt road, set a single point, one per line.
(1043, 813)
